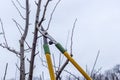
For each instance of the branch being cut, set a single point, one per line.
(67, 61)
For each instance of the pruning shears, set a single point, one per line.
(62, 50)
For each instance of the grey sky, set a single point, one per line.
(97, 28)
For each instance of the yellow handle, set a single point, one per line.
(77, 66)
(50, 67)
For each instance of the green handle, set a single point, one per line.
(46, 49)
(59, 46)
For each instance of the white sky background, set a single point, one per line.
(97, 28)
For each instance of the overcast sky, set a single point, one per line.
(97, 28)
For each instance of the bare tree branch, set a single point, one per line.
(1, 33)
(18, 26)
(34, 41)
(44, 13)
(22, 40)
(43, 76)
(61, 69)
(67, 40)
(71, 74)
(43, 61)
(4, 78)
(71, 45)
(95, 62)
(52, 14)
(16, 70)
(6, 44)
(59, 62)
(40, 77)
(11, 50)
(18, 10)
(17, 67)
(98, 70)
(20, 5)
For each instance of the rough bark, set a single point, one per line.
(22, 41)
(34, 41)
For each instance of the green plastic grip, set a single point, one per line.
(59, 46)
(46, 49)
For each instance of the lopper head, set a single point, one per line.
(46, 35)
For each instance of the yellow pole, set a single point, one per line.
(50, 67)
(77, 66)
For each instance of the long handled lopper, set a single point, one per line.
(62, 50)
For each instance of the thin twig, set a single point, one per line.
(1, 33)
(28, 45)
(40, 77)
(18, 25)
(18, 10)
(95, 62)
(11, 50)
(43, 75)
(40, 36)
(43, 61)
(86, 69)
(61, 69)
(67, 40)
(16, 70)
(6, 44)
(20, 28)
(59, 61)
(98, 70)
(72, 38)
(52, 14)
(44, 13)
(17, 67)
(5, 71)
(71, 74)
(20, 5)
(28, 50)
